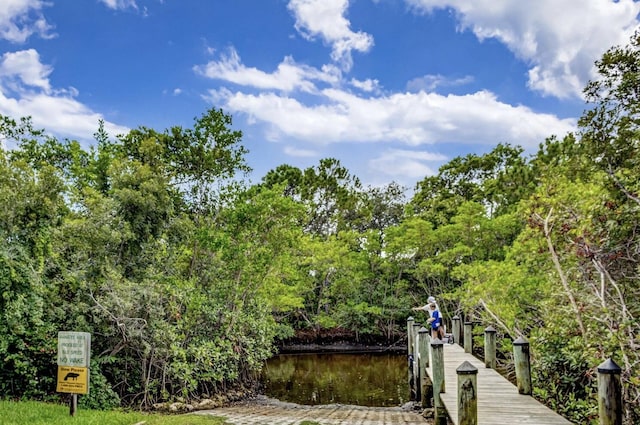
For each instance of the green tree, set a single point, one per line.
(199, 162)
(497, 180)
(610, 137)
(27, 224)
(611, 129)
(329, 191)
(111, 240)
(290, 177)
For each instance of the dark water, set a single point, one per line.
(378, 379)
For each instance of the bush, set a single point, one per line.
(101, 396)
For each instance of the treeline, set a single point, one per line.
(187, 277)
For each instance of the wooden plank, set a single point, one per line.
(499, 402)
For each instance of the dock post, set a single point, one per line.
(523, 365)
(468, 337)
(490, 347)
(437, 367)
(455, 324)
(423, 393)
(410, 322)
(423, 345)
(467, 394)
(609, 393)
(416, 361)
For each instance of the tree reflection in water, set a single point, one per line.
(372, 379)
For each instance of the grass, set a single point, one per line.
(36, 413)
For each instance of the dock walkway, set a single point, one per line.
(499, 402)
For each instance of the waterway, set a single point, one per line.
(370, 379)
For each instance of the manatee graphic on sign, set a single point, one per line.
(73, 380)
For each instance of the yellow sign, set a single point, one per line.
(73, 380)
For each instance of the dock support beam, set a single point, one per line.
(416, 361)
(410, 338)
(468, 337)
(455, 324)
(467, 394)
(490, 347)
(523, 365)
(609, 393)
(437, 368)
(424, 392)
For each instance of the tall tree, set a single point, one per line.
(330, 191)
(289, 176)
(611, 136)
(611, 129)
(32, 209)
(497, 180)
(199, 162)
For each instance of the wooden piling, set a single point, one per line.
(490, 347)
(609, 393)
(423, 345)
(455, 324)
(410, 322)
(523, 365)
(468, 337)
(467, 394)
(416, 361)
(437, 369)
(423, 394)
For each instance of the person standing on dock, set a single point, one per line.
(436, 322)
(435, 318)
(430, 300)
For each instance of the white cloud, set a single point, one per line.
(300, 153)
(410, 118)
(25, 90)
(367, 85)
(19, 19)
(25, 67)
(406, 163)
(560, 39)
(120, 4)
(288, 76)
(432, 82)
(326, 19)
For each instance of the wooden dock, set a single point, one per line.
(499, 402)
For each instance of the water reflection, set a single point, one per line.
(377, 379)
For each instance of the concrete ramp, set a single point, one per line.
(272, 412)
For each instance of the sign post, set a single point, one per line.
(74, 356)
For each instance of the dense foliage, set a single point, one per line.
(187, 278)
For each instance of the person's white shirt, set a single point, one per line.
(430, 300)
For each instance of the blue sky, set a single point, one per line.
(391, 88)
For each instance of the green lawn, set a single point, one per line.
(35, 413)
